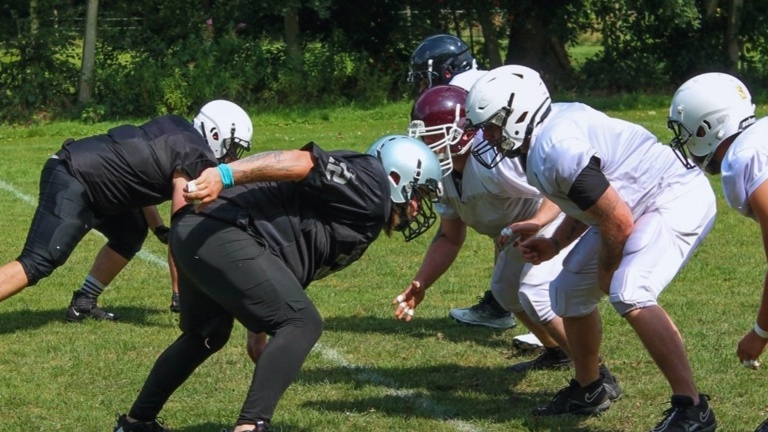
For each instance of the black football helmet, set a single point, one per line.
(438, 58)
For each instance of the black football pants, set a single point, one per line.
(225, 273)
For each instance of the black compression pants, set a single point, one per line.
(225, 274)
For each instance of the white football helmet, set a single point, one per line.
(226, 128)
(414, 174)
(706, 110)
(512, 97)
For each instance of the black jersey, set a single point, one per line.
(133, 166)
(321, 224)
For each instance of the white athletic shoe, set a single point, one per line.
(487, 312)
(527, 342)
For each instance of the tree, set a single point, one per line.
(89, 53)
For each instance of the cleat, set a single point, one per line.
(124, 426)
(611, 383)
(84, 306)
(487, 312)
(175, 303)
(551, 359)
(527, 343)
(684, 416)
(575, 399)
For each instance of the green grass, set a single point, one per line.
(369, 372)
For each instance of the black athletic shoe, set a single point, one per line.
(611, 383)
(575, 399)
(550, 359)
(684, 416)
(123, 426)
(84, 306)
(175, 303)
(763, 427)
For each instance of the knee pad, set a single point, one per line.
(217, 335)
(536, 303)
(128, 249)
(39, 259)
(125, 232)
(633, 288)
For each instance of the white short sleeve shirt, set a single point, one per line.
(745, 166)
(643, 171)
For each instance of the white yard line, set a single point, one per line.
(431, 408)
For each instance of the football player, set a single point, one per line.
(104, 181)
(297, 217)
(623, 194)
(443, 59)
(488, 201)
(713, 120)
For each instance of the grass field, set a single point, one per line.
(369, 372)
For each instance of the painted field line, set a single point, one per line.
(433, 409)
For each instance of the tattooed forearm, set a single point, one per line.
(266, 166)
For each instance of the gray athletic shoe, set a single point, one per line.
(487, 312)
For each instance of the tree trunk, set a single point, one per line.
(530, 44)
(89, 52)
(491, 44)
(292, 44)
(732, 33)
(711, 6)
(34, 20)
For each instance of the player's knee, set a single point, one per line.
(128, 246)
(217, 336)
(537, 306)
(37, 267)
(633, 289)
(305, 324)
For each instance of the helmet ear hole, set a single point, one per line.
(395, 177)
(701, 131)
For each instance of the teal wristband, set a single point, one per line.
(226, 175)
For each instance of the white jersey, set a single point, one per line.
(488, 200)
(467, 78)
(745, 166)
(645, 172)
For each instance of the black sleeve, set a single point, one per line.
(589, 185)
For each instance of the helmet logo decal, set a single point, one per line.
(742, 93)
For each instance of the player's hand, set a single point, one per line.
(538, 249)
(162, 233)
(408, 300)
(204, 189)
(750, 347)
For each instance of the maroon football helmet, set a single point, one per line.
(438, 118)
